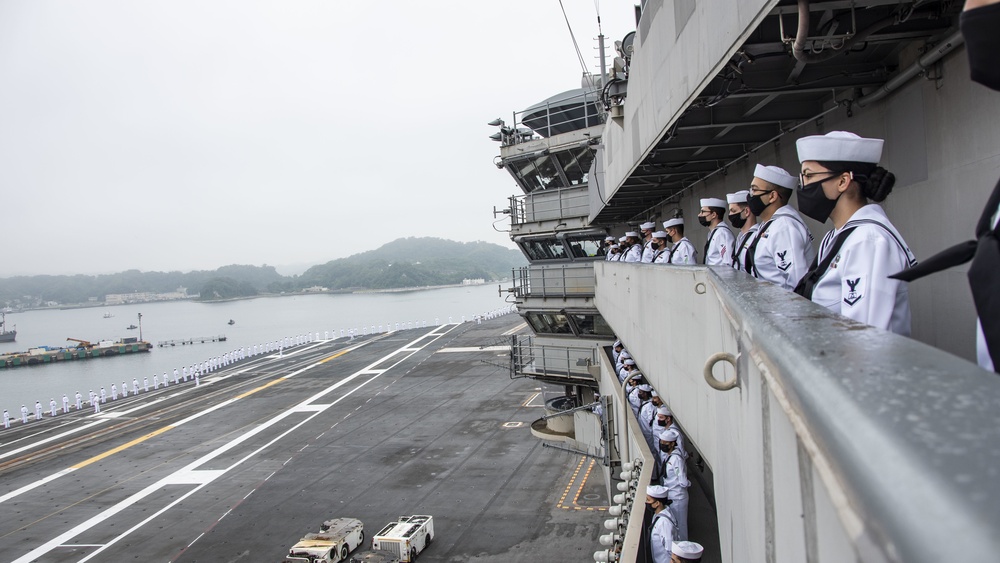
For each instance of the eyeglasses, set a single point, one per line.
(805, 176)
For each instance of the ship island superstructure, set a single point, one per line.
(813, 438)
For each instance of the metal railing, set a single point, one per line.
(562, 364)
(554, 116)
(562, 280)
(547, 205)
(828, 440)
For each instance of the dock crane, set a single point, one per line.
(82, 343)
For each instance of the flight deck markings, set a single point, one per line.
(188, 472)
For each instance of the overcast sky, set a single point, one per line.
(184, 135)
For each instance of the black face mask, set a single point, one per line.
(661, 422)
(654, 246)
(737, 220)
(813, 203)
(756, 204)
(703, 221)
(982, 43)
(665, 448)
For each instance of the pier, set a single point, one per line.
(192, 340)
(48, 355)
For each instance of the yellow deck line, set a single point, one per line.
(124, 446)
(154, 433)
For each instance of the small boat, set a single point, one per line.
(231, 322)
(6, 335)
(131, 327)
(108, 315)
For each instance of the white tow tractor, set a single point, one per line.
(335, 540)
(406, 537)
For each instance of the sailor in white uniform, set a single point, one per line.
(633, 250)
(781, 250)
(719, 245)
(114, 392)
(65, 402)
(104, 395)
(741, 218)
(135, 386)
(673, 476)
(614, 253)
(79, 401)
(682, 251)
(686, 552)
(6, 419)
(608, 241)
(841, 180)
(661, 252)
(124, 389)
(38, 410)
(24, 414)
(663, 531)
(52, 406)
(647, 240)
(175, 376)
(145, 384)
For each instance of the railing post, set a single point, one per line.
(564, 293)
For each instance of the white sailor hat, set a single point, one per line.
(622, 238)
(645, 387)
(776, 175)
(609, 238)
(657, 491)
(617, 343)
(655, 394)
(629, 362)
(664, 411)
(625, 354)
(673, 223)
(669, 435)
(686, 549)
(614, 246)
(841, 146)
(713, 202)
(739, 197)
(632, 234)
(659, 234)
(647, 226)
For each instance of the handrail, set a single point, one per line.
(557, 280)
(550, 361)
(864, 425)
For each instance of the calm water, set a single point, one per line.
(257, 321)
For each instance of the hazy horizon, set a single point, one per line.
(162, 135)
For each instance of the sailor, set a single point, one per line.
(682, 251)
(842, 181)
(65, 403)
(647, 415)
(135, 386)
(719, 246)
(175, 376)
(114, 392)
(663, 530)
(52, 406)
(6, 419)
(609, 241)
(979, 22)
(90, 398)
(38, 410)
(24, 414)
(628, 366)
(145, 384)
(673, 476)
(79, 401)
(166, 380)
(97, 407)
(197, 381)
(665, 421)
(616, 350)
(156, 381)
(741, 218)
(124, 389)
(104, 395)
(661, 253)
(781, 249)
(633, 250)
(614, 252)
(647, 241)
(640, 397)
(686, 551)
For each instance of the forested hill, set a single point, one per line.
(409, 262)
(415, 262)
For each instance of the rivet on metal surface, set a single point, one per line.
(710, 378)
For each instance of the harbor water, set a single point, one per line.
(256, 321)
